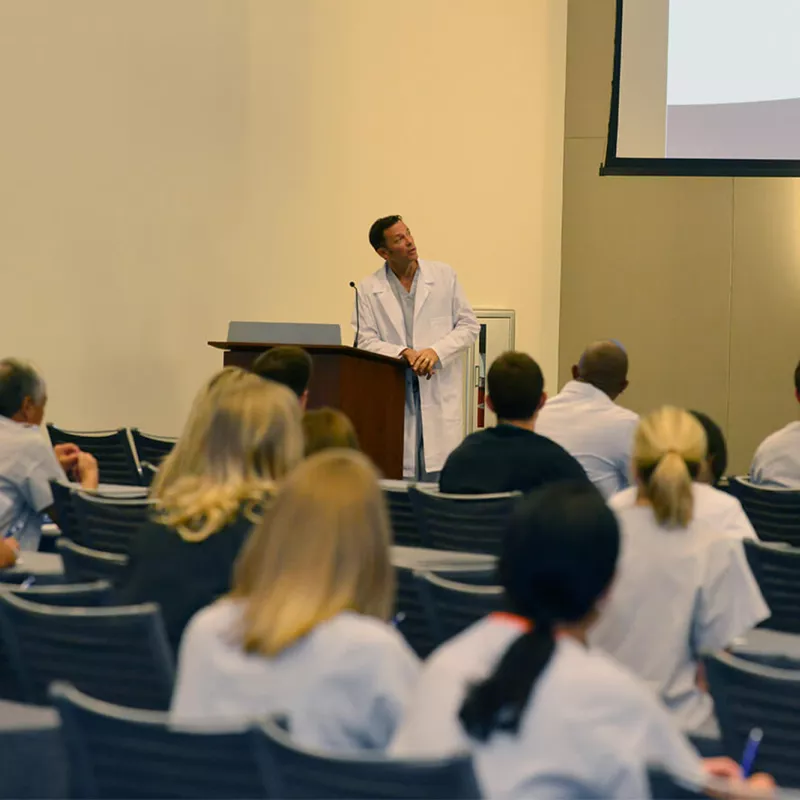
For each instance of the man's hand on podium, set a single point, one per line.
(425, 361)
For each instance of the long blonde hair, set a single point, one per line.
(669, 447)
(243, 434)
(322, 548)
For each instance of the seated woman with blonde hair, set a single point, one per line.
(304, 632)
(683, 587)
(325, 428)
(242, 436)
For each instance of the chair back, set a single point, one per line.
(468, 523)
(153, 449)
(112, 449)
(65, 511)
(749, 695)
(86, 595)
(294, 773)
(119, 654)
(404, 524)
(110, 523)
(774, 513)
(412, 618)
(777, 570)
(117, 752)
(453, 606)
(83, 564)
(149, 472)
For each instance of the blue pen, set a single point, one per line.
(751, 751)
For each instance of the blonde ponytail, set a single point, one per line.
(670, 491)
(668, 448)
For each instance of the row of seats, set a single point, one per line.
(774, 513)
(125, 456)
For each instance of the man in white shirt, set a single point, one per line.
(417, 310)
(27, 461)
(777, 460)
(586, 421)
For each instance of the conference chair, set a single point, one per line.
(84, 564)
(411, 617)
(748, 695)
(404, 524)
(85, 595)
(153, 449)
(777, 570)
(118, 653)
(110, 523)
(296, 773)
(774, 513)
(112, 449)
(468, 523)
(66, 516)
(121, 753)
(451, 606)
(149, 472)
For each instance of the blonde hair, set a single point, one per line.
(669, 447)
(325, 428)
(243, 434)
(322, 548)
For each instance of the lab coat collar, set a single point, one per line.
(583, 389)
(389, 301)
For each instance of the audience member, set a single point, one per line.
(326, 428)
(777, 460)
(511, 456)
(713, 468)
(683, 587)
(27, 461)
(586, 421)
(304, 631)
(543, 714)
(288, 365)
(711, 507)
(242, 436)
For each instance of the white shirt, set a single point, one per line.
(343, 686)
(27, 465)
(590, 426)
(777, 460)
(678, 593)
(717, 510)
(589, 728)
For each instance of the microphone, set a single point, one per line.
(358, 316)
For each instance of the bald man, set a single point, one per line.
(586, 421)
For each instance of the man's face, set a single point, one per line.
(399, 247)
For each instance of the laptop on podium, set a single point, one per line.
(284, 333)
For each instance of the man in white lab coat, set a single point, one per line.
(416, 310)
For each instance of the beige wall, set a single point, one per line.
(169, 165)
(699, 277)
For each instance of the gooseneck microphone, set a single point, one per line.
(358, 316)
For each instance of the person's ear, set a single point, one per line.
(304, 400)
(797, 395)
(28, 410)
(575, 372)
(625, 385)
(490, 404)
(542, 401)
(383, 252)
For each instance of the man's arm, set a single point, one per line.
(465, 330)
(368, 334)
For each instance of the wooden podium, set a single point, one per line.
(368, 387)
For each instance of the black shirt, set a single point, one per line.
(181, 576)
(507, 459)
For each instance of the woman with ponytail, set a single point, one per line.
(684, 587)
(544, 715)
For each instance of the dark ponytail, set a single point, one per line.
(497, 704)
(559, 556)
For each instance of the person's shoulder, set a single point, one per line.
(214, 621)
(624, 415)
(777, 439)
(365, 637)
(710, 501)
(624, 499)
(374, 280)
(436, 269)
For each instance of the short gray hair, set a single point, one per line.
(18, 380)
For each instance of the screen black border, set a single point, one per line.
(679, 167)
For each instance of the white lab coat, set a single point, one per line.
(443, 320)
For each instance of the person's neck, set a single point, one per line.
(19, 417)
(404, 273)
(579, 631)
(611, 395)
(525, 424)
